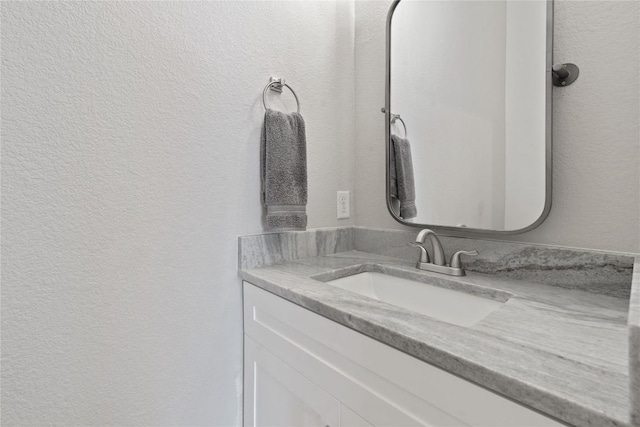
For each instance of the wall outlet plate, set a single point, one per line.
(343, 205)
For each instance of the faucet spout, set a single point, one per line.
(438, 251)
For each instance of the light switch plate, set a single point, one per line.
(343, 205)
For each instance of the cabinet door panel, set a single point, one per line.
(278, 395)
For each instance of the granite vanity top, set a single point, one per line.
(564, 352)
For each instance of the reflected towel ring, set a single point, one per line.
(276, 85)
(394, 118)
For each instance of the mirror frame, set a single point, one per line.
(548, 137)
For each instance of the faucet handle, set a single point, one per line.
(455, 258)
(424, 255)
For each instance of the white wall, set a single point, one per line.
(596, 192)
(130, 135)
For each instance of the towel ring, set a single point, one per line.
(395, 117)
(276, 85)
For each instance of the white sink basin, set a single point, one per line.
(443, 304)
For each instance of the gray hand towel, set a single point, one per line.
(283, 155)
(401, 183)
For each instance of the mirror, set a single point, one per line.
(470, 84)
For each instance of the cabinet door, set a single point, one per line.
(278, 395)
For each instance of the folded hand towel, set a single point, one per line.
(284, 170)
(401, 183)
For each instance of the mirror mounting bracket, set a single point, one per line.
(565, 74)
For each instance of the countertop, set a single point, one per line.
(563, 352)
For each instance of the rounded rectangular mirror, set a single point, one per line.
(468, 113)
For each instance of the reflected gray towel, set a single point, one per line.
(283, 155)
(401, 182)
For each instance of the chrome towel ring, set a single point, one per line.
(395, 117)
(276, 86)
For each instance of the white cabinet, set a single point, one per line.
(302, 369)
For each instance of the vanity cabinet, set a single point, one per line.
(302, 369)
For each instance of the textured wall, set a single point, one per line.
(130, 136)
(596, 191)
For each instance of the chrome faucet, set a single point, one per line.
(454, 268)
(438, 251)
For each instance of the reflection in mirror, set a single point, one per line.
(471, 83)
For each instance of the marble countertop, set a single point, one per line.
(564, 352)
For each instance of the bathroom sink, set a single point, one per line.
(458, 308)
